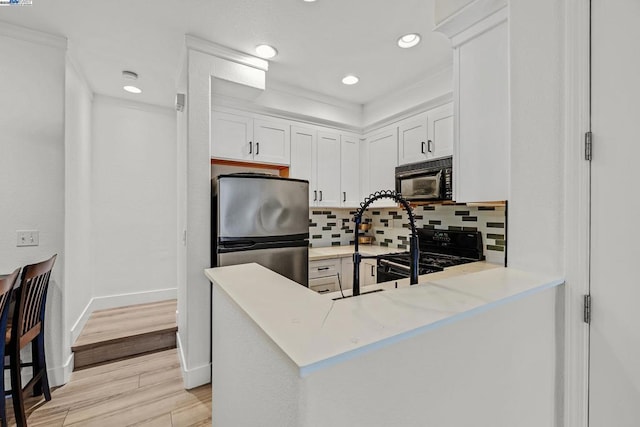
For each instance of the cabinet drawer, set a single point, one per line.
(323, 268)
(324, 285)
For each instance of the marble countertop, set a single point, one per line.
(315, 331)
(328, 252)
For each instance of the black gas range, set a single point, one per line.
(439, 249)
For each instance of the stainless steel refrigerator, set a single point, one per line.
(264, 219)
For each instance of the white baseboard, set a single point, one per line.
(194, 377)
(59, 375)
(119, 300)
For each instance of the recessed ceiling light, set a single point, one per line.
(132, 89)
(350, 80)
(130, 75)
(309, 1)
(265, 51)
(409, 40)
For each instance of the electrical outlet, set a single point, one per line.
(28, 238)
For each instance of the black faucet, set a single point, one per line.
(414, 250)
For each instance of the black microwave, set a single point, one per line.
(430, 180)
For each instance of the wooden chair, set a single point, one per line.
(27, 326)
(6, 289)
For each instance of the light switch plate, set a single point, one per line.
(28, 238)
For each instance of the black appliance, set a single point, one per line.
(426, 181)
(264, 219)
(439, 249)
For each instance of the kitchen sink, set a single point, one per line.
(361, 293)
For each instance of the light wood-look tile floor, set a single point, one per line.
(141, 391)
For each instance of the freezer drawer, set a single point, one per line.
(291, 262)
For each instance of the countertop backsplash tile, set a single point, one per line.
(334, 227)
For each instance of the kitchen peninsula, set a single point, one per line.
(473, 349)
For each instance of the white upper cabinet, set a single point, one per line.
(249, 138)
(382, 154)
(350, 171)
(328, 167)
(329, 161)
(440, 142)
(272, 142)
(480, 38)
(413, 137)
(303, 158)
(427, 135)
(231, 136)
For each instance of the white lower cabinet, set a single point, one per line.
(368, 273)
(347, 272)
(323, 275)
(329, 274)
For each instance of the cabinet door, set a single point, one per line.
(413, 139)
(346, 278)
(303, 156)
(481, 152)
(271, 142)
(349, 171)
(368, 273)
(231, 136)
(383, 159)
(328, 169)
(440, 142)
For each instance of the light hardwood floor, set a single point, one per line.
(123, 332)
(141, 391)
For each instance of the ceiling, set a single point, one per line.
(318, 42)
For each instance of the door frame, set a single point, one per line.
(577, 79)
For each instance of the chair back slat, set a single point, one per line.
(6, 287)
(32, 296)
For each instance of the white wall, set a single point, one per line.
(32, 166)
(78, 255)
(537, 139)
(133, 202)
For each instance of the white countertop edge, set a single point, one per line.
(310, 368)
(329, 360)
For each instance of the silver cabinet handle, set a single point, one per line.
(257, 148)
(344, 196)
(429, 146)
(320, 195)
(315, 195)
(250, 147)
(422, 147)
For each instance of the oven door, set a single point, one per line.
(424, 186)
(388, 271)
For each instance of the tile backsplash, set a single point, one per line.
(390, 226)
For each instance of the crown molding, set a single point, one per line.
(33, 36)
(468, 16)
(228, 102)
(214, 49)
(416, 109)
(280, 86)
